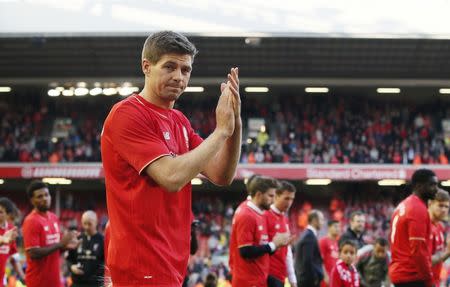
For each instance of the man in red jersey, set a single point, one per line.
(42, 239)
(8, 247)
(281, 262)
(249, 244)
(329, 250)
(410, 234)
(438, 210)
(150, 154)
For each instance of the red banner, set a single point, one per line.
(281, 171)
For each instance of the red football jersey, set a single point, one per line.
(277, 222)
(410, 235)
(330, 253)
(151, 238)
(437, 244)
(343, 275)
(249, 227)
(6, 250)
(42, 230)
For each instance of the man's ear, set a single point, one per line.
(146, 66)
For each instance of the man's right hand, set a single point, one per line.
(282, 239)
(225, 119)
(76, 270)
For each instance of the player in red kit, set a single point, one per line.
(410, 234)
(329, 249)
(150, 154)
(8, 234)
(281, 262)
(249, 244)
(344, 273)
(42, 239)
(438, 210)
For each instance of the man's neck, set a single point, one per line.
(150, 97)
(334, 237)
(255, 202)
(41, 212)
(434, 220)
(91, 233)
(421, 197)
(278, 208)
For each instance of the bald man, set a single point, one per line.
(87, 261)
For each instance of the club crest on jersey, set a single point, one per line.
(277, 226)
(46, 228)
(166, 136)
(260, 227)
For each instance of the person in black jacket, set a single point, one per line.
(308, 261)
(87, 261)
(356, 229)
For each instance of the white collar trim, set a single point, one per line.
(254, 207)
(276, 210)
(310, 227)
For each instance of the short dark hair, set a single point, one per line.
(331, 222)
(261, 184)
(381, 241)
(441, 195)
(422, 175)
(167, 42)
(313, 214)
(347, 242)
(7, 204)
(356, 213)
(10, 207)
(286, 186)
(35, 185)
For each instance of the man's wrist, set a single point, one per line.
(273, 247)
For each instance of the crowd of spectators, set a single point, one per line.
(295, 130)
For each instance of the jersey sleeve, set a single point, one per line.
(135, 138)
(245, 227)
(31, 234)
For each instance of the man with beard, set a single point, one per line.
(42, 239)
(410, 234)
(249, 243)
(355, 231)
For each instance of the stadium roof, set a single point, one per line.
(275, 60)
